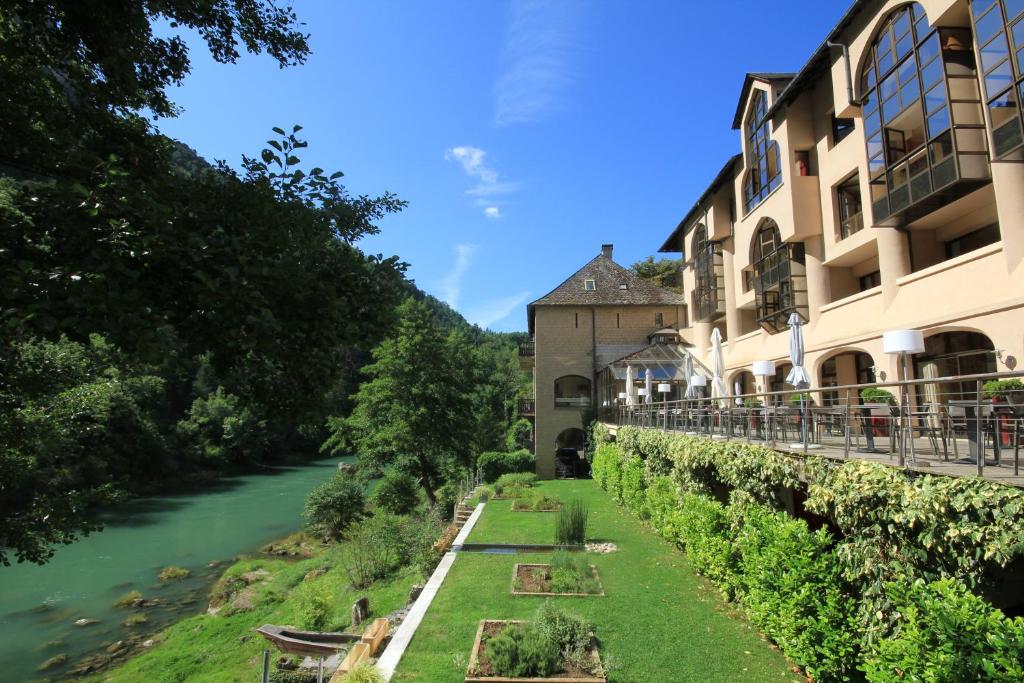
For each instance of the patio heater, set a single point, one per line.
(642, 393)
(698, 382)
(764, 369)
(904, 342)
(664, 389)
(622, 402)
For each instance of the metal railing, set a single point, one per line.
(527, 349)
(526, 406)
(934, 422)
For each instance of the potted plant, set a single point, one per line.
(1009, 390)
(794, 399)
(751, 403)
(879, 397)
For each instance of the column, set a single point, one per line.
(893, 261)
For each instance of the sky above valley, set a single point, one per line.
(523, 134)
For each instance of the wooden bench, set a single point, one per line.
(359, 653)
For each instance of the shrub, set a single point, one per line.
(529, 499)
(364, 673)
(485, 493)
(514, 480)
(945, 633)
(607, 468)
(705, 532)
(663, 508)
(999, 388)
(571, 633)
(334, 505)
(315, 608)
(448, 497)
(571, 525)
(493, 465)
(220, 429)
(523, 650)
(396, 492)
(571, 573)
(634, 486)
(876, 395)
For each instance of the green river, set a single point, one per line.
(200, 532)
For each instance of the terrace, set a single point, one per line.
(952, 426)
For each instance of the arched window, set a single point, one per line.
(709, 277)
(572, 391)
(764, 172)
(909, 76)
(780, 283)
(999, 34)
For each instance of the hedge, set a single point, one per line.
(870, 603)
(494, 464)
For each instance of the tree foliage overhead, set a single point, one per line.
(666, 273)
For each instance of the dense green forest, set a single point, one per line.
(166, 319)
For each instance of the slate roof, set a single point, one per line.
(779, 80)
(608, 277)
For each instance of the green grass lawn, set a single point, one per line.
(657, 622)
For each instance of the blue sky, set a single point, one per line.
(523, 134)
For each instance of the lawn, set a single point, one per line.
(657, 622)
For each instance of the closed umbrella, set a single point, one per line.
(719, 389)
(648, 380)
(737, 389)
(630, 389)
(798, 376)
(691, 391)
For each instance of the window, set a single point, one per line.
(659, 320)
(999, 32)
(840, 129)
(748, 280)
(848, 198)
(972, 240)
(624, 286)
(617, 321)
(577, 320)
(589, 285)
(869, 281)
(780, 282)
(764, 172)
(572, 391)
(914, 77)
(709, 277)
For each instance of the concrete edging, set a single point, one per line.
(392, 655)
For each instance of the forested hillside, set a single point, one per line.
(164, 318)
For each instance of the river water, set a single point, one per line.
(39, 604)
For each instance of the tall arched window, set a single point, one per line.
(780, 283)
(764, 172)
(999, 33)
(917, 143)
(709, 277)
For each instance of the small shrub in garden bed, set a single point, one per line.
(493, 465)
(534, 501)
(571, 524)
(521, 650)
(569, 573)
(508, 484)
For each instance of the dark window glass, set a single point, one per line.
(973, 240)
(869, 281)
(763, 174)
(841, 128)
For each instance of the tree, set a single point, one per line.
(666, 273)
(334, 505)
(415, 411)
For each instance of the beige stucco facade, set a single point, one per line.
(919, 271)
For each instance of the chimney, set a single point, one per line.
(606, 250)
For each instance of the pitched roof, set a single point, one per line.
(609, 278)
(779, 80)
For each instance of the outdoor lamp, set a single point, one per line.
(699, 381)
(904, 342)
(641, 391)
(622, 395)
(764, 368)
(664, 388)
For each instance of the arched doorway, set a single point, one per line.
(742, 383)
(570, 454)
(572, 391)
(847, 367)
(953, 354)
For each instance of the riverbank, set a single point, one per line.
(221, 645)
(201, 531)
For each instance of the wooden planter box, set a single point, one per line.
(515, 574)
(557, 678)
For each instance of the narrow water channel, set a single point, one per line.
(40, 605)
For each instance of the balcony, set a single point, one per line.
(572, 402)
(851, 225)
(527, 407)
(527, 351)
(780, 287)
(708, 296)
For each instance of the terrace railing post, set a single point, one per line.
(266, 666)
(979, 434)
(846, 428)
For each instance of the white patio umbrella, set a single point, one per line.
(691, 391)
(737, 389)
(630, 389)
(798, 376)
(719, 389)
(648, 381)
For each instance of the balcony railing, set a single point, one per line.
(527, 407)
(572, 402)
(780, 287)
(527, 349)
(944, 425)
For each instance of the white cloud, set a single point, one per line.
(474, 162)
(492, 212)
(451, 285)
(539, 56)
(495, 310)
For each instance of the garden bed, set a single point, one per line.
(535, 579)
(480, 670)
